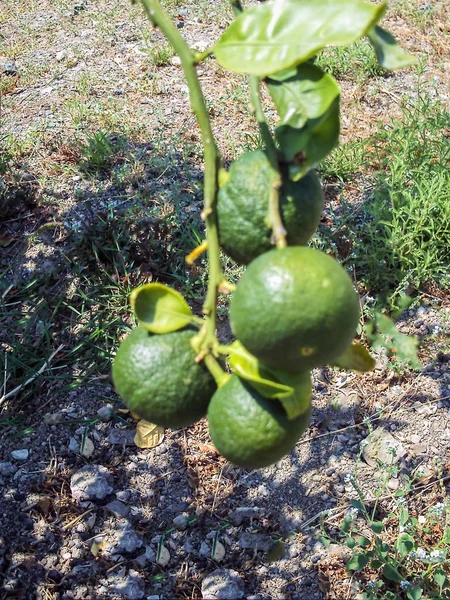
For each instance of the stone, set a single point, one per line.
(382, 446)
(218, 552)
(118, 508)
(88, 448)
(415, 439)
(52, 418)
(204, 549)
(74, 446)
(181, 521)
(255, 541)
(123, 495)
(120, 538)
(105, 413)
(91, 482)
(223, 584)
(242, 513)
(7, 468)
(10, 68)
(20, 454)
(164, 556)
(121, 437)
(130, 587)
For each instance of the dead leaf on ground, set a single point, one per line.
(148, 435)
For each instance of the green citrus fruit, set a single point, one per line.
(157, 378)
(249, 430)
(243, 204)
(295, 309)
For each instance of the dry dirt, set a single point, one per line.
(55, 545)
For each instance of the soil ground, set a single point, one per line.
(70, 69)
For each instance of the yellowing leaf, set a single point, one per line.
(148, 435)
(355, 358)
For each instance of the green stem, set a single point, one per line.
(188, 58)
(216, 370)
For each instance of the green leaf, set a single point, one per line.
(357, 562)
(357, 504)
(403, 516)
(376, 564)
(277, 552)
(404, 544)
(307, 102)
(440, 578)
(382, 333)
(249, 368)
(159, 308)
(355, 358)
(363, 541)
(376, 526)
(297, 403)
(389, 54)
(414, 592)
(351, 543)
(274, 36)
(293, 390)
(391, 573)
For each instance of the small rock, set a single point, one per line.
(121, 437)
(164, 557)
(415, 439)
(218, 552)
(88, 448)
(105, 413)
(20, 454)
(10, 68)
(223, 584)
(383, 447)
(60, 56)
(7, 468)
(130, 586)
(255, 541)
(204, 549)
(417, 449)
(92, 481)
(175, 61)
(74, 446)
(118, 509)
(123, 495)
(52, 418)
(393, 484)
(242, 513)
(180, 522)
(120, 539)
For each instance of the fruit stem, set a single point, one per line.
(188, 58)
(220, 376)
(274, 219)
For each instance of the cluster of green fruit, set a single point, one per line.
(293, 309)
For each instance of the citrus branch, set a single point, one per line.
(188, 58)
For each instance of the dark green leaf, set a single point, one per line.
(357, 504)
(274, 36)
(376, 526)
(414, 592)
(357, 562)
(159, 308)
(376, 564)
(249, 368)
(276, 552)
(403, 516)
(391, 573)
(404, 544)
(440, 578)
(351, 543)
(307, 102)
(355, 358)
(297, 403)
(389, 54)
(363, 541)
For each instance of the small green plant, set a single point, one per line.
(396, 551)
(161, 55)
(99, 152)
